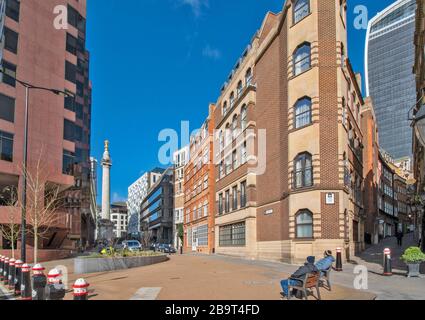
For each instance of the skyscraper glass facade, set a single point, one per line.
(389, 77)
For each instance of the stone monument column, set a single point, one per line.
(105, 225)
(106, 183)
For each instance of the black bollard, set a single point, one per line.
(11, 281)
(388, 269)
(18, 275)
(26, 282)
(38, 282)
(80, 291)
(338, 265)
(6, 272)
(55, 289)
(1, 267)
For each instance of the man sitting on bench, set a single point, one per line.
(301, 273)
(326, 262)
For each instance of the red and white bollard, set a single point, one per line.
(39, 282)
(6, 271)
(388, 269)
(18, 276)
(55, 289)
(1, 267)
(80, 289)
(338, 264)
(26, 292)
(11, 279)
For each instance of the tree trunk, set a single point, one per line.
(35, 246)
(13, 247)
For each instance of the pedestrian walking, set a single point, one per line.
(400, 236)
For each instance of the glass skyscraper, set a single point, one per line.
(389, 78)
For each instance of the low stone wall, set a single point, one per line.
(92, 265)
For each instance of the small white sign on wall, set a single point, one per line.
(330, 198)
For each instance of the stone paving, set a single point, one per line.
(193, 277)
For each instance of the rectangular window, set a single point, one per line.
(80, 89)
(71, 44)
(12, 9)
(7, 108)
(232, 235)
(76, 20)
(220, 204)
(69, 102)
(228, 163)
(11, 40)
(9, 74)
(243, 194)
(235, 160)
(70, 72)
(235, 198)
(227, 201)
(202, 235)
(69, 130)
(6, 146)
(68, 163)
(243, 154)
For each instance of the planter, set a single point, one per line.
(413, 270)
(92, 265)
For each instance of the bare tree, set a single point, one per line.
(44, 200)
(11, 230)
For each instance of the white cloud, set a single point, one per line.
(116, 197)
(196, 5)
(212, 53)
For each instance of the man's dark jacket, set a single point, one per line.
(302, 272)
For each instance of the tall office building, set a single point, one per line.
(137, 192)
(389, 79)
(40, 54)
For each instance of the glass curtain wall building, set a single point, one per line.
(390, 82)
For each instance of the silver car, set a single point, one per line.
(132, 245)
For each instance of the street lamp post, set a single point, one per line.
(29, 87)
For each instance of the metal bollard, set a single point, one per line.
(26, 282)
(388, 269)
(1, 267)
(11, 281)
(338, 264)
(18, 275)
(55, 289)
(6, 271)
(80, 290)
(39, 282)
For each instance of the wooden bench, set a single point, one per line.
(311, 281)
(325, 276)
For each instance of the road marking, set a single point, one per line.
(146, 294)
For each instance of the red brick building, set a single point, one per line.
(299, 191)
(199, 182)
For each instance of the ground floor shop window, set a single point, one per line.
(233, 235)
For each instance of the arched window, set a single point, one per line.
(240, 88)
(235, 126)
(248, 77)
(221, 140)
(301, 9)
(232, 99)
(228, 135)
(303, 176)
(304, 224)
(302, 59)
(302, 112)
(244, 116)
(224, 107)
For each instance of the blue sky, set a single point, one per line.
(155, 63)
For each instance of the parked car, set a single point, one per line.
(171, 249)
(132, 245)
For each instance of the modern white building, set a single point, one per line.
(180, 159)
(119, 219)
(137, 192)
